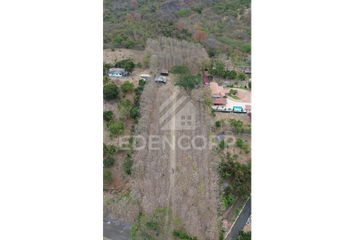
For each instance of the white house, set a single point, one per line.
(117, 72)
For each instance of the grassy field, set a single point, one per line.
(235, 97)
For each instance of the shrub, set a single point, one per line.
(127, 103)
(246, 47)
(228, 190)
(111, 150)
(180, 69)
(107, 176)
(241, 76)
(105, 80)
(112, 49)
(105, 149)
(249, 85)
(108, 161)
(222, 144)
(217, 124)
(108, 115)
(183, 12)
(231, 198)
(224, 201)
(127, 86)
(221, 235)
(130, 43)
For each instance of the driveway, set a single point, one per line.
(241, 221)
(115, 230)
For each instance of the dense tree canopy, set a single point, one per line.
(108, 115)
(110, 91)
(189, 81)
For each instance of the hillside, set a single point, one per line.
(226, 23)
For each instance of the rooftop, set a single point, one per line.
(116, 70)
(160, 79)
(248, 107)
(216, 89)
(219, 101)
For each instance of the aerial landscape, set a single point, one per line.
(177, 119)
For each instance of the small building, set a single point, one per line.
(164, 72)
(117, 72)
(247, 70)
(160, 79)
(248, 108)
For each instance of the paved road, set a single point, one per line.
(115, 232)
(241, 221)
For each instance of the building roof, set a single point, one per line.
(164, 71)
(217, 90)
(219, 101)
(248, 107)
(116, 70)
(160, 79)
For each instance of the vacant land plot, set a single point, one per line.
(123, 53)
(242, 117)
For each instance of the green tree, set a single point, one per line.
(239, 142)
(134, 112)
(129, 66)
(108, 161)
(127, 86)
(189, 81)
(142, 82)
(117, 41)
(232, 74)
(249, 85)
(130, 43)
(107, 176)
(241, 76)
(117, 128)
(108, 115)
(110, 91)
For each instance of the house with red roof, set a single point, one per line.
(217, 94)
